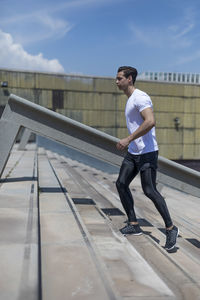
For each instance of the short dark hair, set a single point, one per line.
(128, 71)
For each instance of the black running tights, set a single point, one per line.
(148, 181)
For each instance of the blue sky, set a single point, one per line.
(94, 37)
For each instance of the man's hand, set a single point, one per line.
(123, 144)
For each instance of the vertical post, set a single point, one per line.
(8, 134)
(24, 139)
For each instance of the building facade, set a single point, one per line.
(97, 102)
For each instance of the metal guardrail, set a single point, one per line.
(179, 177)
(20, 113)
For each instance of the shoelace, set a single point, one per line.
(128, 227)
(167, 236)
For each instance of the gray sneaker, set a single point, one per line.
(171, 236)
(131, 229)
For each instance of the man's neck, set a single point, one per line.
(129, 90)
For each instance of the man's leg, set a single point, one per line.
(127, 173)
(148, 181)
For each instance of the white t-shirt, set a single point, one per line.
(136, 103)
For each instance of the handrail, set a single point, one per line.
(179, 176)
(20, 113)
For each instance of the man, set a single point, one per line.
(141, 157)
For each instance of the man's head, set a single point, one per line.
(128, 71)
(125, 79)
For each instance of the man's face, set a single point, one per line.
(121, 81)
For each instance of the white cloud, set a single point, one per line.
(171, 37)
(45, 23)
(40, 24)
(180, 31)
(185, 24)
(179, 35)
(149, 37)
(33, 26)
(48, 28)
(12, 55)
(188, 59)
(80, 4)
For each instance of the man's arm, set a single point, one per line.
(149, 122)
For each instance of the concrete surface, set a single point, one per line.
(57, 240)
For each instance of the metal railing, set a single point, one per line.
(20, 113)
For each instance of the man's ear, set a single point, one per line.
(130, 79)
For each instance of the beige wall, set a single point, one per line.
(172, 101)
(97, 102)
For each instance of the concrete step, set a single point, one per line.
(71, 268)
(19, 227)
(184, 263)
(133, 277)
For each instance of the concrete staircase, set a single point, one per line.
(60, 236)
